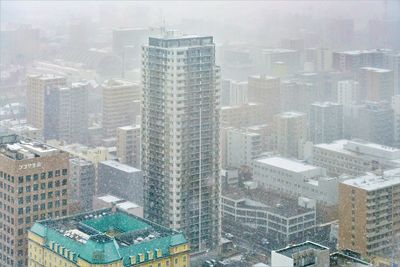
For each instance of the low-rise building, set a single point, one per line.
(105, 238)
(296, 178)
(354, 157)
(242, 147)
(282, 219)
(120, 180)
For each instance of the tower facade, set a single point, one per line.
(180, 136)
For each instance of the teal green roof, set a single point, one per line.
(101, 248)
(118, 221)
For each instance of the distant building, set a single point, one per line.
(326, 122)
(26, 131)
(233, 93)
(354, 157)
(242, 115)
(120, 180)
(368, 214)
(128, 145)
(34, 186)
(373, 122)
(348, 92)
(376, 84)
(396, 120)
(66, 113)
(266, 91)
(35, 97)
(290, 133)
(297, 95)
(118, 98)
(290, 57)
(108, 201)
(352, 61)
(296, 178)
(282, 220)
(105, 238)
(242, 148)
(82, 184)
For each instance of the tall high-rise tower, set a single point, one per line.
(180, 136)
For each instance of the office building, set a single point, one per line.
(242, 115)
(128, 145)
(35, 97)
(118, 97)
(395, 105)
(352, 61)
(369, 214)
(108, 201)
(296, 178)
(180, 136)
(82, 184)
(120, 180)
(376, 84)
(301, 255)
(392, 62)
(266, 91)
(290, 57)
(297, 95)
(326, 122)
(373, 122)
(26, 131)
(66, 113)
(283, 220)
(347, 92)
(290, 133)
(242, 147)
(34, 186)
(105, 237)
(354, 157)
(233, 93)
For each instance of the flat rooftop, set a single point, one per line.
(19, 148)
(270, 201)
(287, 164)
(308, 245)
(379, 70)
(119, 166)
(372, 181)
(290, 114)
(115, 235)
(325, 104)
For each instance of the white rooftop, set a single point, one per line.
(291, 114)
(376, 69)
(120, 166)
(110, 198)
(372, 181)
(127, 205)
(287, 164)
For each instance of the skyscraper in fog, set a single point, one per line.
(180, 147)
(326, 122)
(290, 133)
(36, 86)
(66, 113)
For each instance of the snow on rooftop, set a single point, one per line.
(372, 181)
(336, 146)
(110, 198)
(291, 114)
(287, 164)
(376, 69)
(120, 166)
(127, 205)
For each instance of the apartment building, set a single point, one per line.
(369, 214)
(128, 145)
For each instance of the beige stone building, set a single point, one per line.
(33, 186)
(128, 145)
(118, 99)
(36, 87)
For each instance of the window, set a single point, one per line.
(50, 174)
